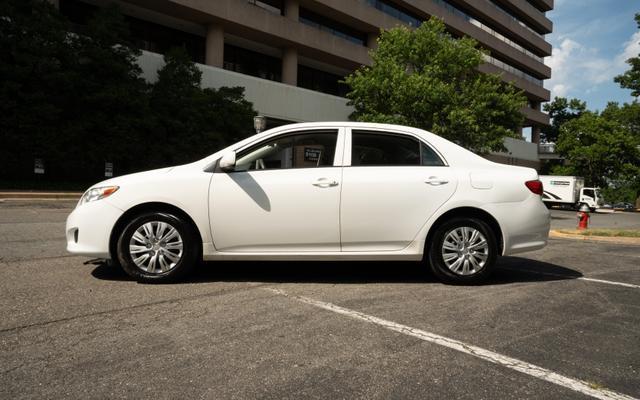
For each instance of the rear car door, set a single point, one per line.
(391, 185)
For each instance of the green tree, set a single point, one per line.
(631, 78)
(600, 148)
(626, 186)
(34, 69)
(603, 147)
(229, 116)
(561, 110)
(427, 79)
(106, 105)
(192, 122)
(627, 115)
(176, 101)
(77, 99)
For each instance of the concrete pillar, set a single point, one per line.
(535, 134)
(372, 40)
(292, 9)
(290, 66)
(214, 47)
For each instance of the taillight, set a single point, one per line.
(534, 186)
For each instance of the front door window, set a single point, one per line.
(308, 150)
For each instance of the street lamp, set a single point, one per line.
(259, 123)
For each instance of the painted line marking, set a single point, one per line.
(629, 285)
(580, 278)
(487, 355)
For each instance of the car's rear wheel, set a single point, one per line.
(463, 250)
(157, 247)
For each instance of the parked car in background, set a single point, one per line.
(624, 206)
(317, 191)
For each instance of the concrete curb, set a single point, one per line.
(21, 196)
(617, 240)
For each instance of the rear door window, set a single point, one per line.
(388, 149)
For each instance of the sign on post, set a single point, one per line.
(108, 169)
(38, 166)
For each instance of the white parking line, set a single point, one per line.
(487, 355)
(581, 278)
(630, 285)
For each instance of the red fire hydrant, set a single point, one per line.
(583, 217)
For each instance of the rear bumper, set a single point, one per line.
(525, 225)
(89, 228)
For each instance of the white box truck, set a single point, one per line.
(569, 191)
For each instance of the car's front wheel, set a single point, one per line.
(157, 247)
(463, 250)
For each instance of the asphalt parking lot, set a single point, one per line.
(316, 330)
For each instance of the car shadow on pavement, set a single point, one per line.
(508, 270)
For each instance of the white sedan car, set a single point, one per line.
(317, 191)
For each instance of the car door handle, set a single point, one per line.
(324, 182)
(435, 181)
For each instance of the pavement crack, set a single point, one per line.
(133, 307)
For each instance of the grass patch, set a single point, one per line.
(635, 233)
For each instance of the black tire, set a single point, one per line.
(187, 260)
(435, 250)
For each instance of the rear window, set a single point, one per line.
(382, 149)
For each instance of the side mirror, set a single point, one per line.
(228, 161)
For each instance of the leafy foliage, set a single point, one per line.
(561, 110)
(188, 117)
(35, 55)
(631, 78)
(78, 100)
(604, 148)
(427, 79)
(105, 107)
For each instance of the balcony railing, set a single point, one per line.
(455, 11)
(513, 70)
(547, 148)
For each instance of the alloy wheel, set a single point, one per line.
(465, 250)
(156, 247)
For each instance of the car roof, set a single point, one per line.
(449, 149)
(452, 152)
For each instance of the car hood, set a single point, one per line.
(134, 178)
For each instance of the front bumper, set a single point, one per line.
(89, 228)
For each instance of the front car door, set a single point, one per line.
(394, 183)
(284, 195)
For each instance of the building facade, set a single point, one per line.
(290, 55)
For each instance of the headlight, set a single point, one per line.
(98, 193)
